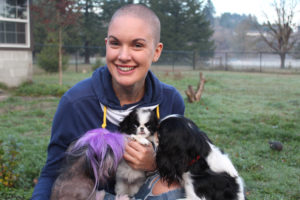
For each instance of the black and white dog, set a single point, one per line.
(140, 125)
(186, 154)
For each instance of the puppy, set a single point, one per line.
(89, 162)
(140, 125)
(185, 154)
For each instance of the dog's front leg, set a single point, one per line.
(140, 139)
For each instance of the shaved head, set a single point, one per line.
(142, 12)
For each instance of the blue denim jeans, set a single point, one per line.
(145, 192)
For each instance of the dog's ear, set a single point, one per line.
(154, 117)
(171, 156)
(125, 125)
(171, 164)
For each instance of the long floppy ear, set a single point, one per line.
(172, 158)
(180, 146)
(171, 163)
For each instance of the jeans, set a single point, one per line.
(145, 192)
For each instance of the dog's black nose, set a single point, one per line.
(142, 128)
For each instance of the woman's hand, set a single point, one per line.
(140, 157)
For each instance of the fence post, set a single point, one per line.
(226, 60)
(260, 60)
(173, 61)
(76, 61)
(194, 59)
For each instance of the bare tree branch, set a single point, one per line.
(279, 35)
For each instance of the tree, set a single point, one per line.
(56, 16)
(232, 32)
(209, 11)
(110, 6)
(279, 35)
(47, 59)
(92, 31)
(172, 23)
(242, 42)
(231, 20)
(184, 25)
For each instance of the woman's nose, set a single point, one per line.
(124, 54)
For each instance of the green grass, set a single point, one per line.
(241, 112)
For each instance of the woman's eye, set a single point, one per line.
(138, 45)
(113, 43)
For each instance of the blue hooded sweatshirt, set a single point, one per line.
(80, 110)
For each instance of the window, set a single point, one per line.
(14, 9)
(12, 32)
(14, 23)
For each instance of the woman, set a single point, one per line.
(104, 99)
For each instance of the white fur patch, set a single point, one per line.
(241, 194)
(219, 162)
(143, 118)
(128, 180)
(189, 188)
(140, 139)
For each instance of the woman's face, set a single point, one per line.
(130, 50)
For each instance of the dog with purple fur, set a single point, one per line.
(89, 161)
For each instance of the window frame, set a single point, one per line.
(26, 21)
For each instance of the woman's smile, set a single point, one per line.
(125, 68)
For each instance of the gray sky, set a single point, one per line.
(253, 7)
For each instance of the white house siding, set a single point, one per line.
(15, 67)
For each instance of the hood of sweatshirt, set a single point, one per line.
(102, 86)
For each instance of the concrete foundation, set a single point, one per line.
(15, 67)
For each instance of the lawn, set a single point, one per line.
(241, 112)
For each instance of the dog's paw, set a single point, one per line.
(140, 139)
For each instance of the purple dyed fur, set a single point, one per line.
(98, 142)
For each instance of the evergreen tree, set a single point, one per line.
(172, 22)
(184, 25)
(92, 30)
(110, 6)
(209, 11)
(231, 20)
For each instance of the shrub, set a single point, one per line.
(3, 86)
(48, 59)
(15, 194)
(9, 161)
(40, 89)
(97, 64)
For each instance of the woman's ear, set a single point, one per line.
(157, 52)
